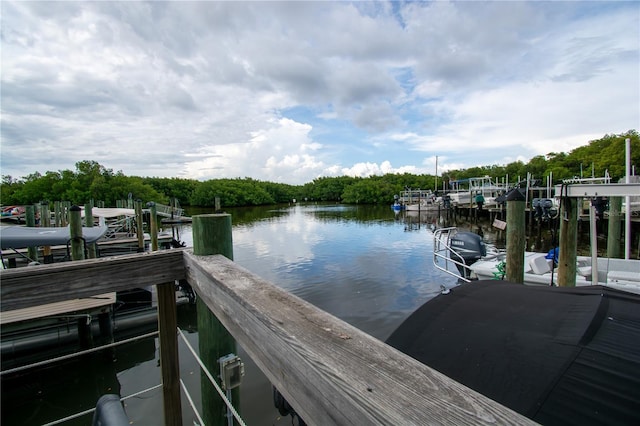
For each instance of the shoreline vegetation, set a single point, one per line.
(93, 181)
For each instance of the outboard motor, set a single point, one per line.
(470, 247)
(544, 209)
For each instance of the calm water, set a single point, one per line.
(365, 265)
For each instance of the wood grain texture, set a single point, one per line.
(37, 285)
(329, 371)
(169, 361)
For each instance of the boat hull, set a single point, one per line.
(621, 274)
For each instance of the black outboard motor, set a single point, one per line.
(470, 247)
(544, 209)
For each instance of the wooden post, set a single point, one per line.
(30, 219)
(516, 236)
(65, 206)
(153, 225)
(75, 228)
(568, 242)
(85, 335)
(45, 221)
(88, 222)
(169, 360)
(614, 227)
(57, 213)
(139, 225)
(167, 331)
(130, 205)
(216, 202)
(212, 235)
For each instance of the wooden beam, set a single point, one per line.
(328, 370)
(598, 190)
(37, 285)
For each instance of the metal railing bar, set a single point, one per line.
(75, 354)
(91, 410)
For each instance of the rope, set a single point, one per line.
(193, 406)
(212, 380)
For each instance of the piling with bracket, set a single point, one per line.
(212, 235)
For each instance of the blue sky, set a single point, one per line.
(290, 91)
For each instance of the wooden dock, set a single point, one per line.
(328, 370)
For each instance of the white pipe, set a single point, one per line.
(627, 200)
(594, 244)
(526, 194)
(435, 187)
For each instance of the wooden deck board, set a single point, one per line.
(57, 308)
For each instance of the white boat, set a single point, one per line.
(423, 205)
(463, 191)
(417, 200)
(462, 254)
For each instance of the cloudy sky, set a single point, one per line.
(289, 91)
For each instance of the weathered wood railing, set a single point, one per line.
(329, 371)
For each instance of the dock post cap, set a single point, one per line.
(515, 195)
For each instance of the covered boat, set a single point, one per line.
(558, 355)
(23, 236)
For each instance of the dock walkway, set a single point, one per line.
(329, 371)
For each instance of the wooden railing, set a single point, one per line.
(329, 371)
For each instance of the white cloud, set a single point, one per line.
(289, 91)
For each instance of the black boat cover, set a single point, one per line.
(23, 236)
(560, 356)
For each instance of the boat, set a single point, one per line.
(34, 332)
(417, 200)
(12, 213)
(397, 207)
(557, 355)
(465, 255)
(14, 241)
(13, 237)
(463, 191)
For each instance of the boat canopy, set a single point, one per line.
(109, 213)
(558, 355)
(23, 236)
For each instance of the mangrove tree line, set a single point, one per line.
(92, 181)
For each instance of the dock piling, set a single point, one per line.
(613, 231)
(153, 225)
(568, 242)
(88, 220)
(139, 225)
(516, 236)
(212, 235)
(75, 228)
(30, 218)
(45, 221)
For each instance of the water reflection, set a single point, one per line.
(354, 262)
